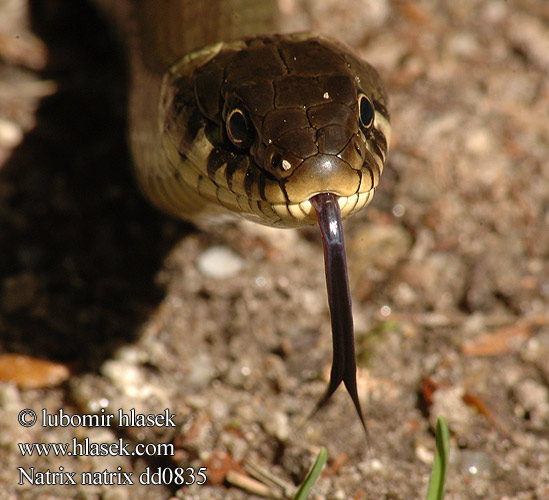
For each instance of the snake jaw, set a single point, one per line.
(339, 299)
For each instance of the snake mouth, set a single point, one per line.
(353, 188)
(302, 213)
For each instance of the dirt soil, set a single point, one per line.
(111, 305)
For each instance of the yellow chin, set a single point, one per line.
(303, 213)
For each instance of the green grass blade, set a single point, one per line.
(312, 476)
(440, 466)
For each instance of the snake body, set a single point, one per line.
(283, 130)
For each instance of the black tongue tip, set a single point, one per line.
(339, 300)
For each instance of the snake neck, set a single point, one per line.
(158, 32)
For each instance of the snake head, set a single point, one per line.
(284, 118)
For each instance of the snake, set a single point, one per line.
(228, 119)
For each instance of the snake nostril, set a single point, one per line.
(358, 149)
(276, 160)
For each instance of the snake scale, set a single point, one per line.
(283, 130)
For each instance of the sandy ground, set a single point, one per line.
(449, 272)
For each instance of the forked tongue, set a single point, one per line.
(339, 300)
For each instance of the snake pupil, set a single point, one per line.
(238, 128)
(366, 112)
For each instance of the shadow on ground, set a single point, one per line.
(79, 246)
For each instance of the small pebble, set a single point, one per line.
(533, 398)
(201, 370)
(11, 134)
(219, 262)
(475, 463)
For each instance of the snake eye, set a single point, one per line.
(365, 112)
(239, 129)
